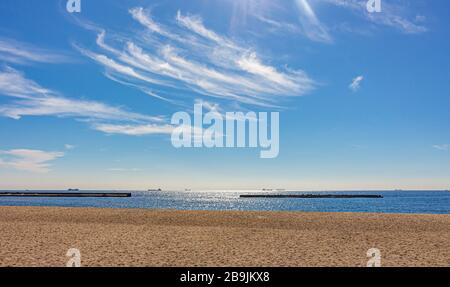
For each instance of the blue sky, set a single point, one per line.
(86, 98)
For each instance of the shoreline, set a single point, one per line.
(41, 236)
(221, 210)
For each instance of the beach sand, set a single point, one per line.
(41, 236)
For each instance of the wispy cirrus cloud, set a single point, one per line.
(190, 57)
(394, 14)
(13, 51)
(277, 25)
(356, 83)
(37, 161)
(134, 130)
(69, 146)
(443, 147)
(30, 99)
(14, 84)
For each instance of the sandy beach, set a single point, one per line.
(41, 236)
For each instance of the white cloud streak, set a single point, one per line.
(195, 24)
(13, 51)
(30, 99)
(278, 25)
(356, 83)
(443, 147)
(12, 83)
(36, 161)
(393, 14)
(140, 15)
(192, 58)
(69, 146)
(134, 130)
(396, 14)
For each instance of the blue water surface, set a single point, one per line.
(425, 202)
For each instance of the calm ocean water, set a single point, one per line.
(429, 202)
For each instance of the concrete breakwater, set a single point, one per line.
(309, 196)
(64, 194)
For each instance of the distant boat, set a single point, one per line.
(159, 189)
(73, 189)
(187, 189)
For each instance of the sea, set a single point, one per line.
(419, 202)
